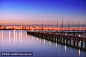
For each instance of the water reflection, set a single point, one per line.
(44, 47)
(14, 36)
(56, 44)
(44, 41)
(65, 47)
(21, 36)
(37, 39)
(32, 37)
(79, 52)
(9, 37)
(56, 49)
(26, 36)
(2, 36)
(49, 42)
(40, 39)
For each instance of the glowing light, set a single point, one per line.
(49, 28)
(32, 28)
(44, 28)
(65, 34)
(9, 26)
(79, 35)
(18, 28)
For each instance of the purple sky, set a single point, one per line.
(27, 12)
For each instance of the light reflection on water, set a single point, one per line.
(14, 36)
(2, 37)
(26, 36)
(79, 52)
(19, 41)
(65, 47)
(9, 37)
(49, 42)
(44, 41)
(21, 36)
(56, 44)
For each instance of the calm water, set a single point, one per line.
(19, 41)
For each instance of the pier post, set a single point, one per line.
(81, 43)
(70, 41)
(43, 36)
(37, 35)
(66, 40)
(52, 38)
(77, 42)
(49, 37)
(74, 42)
(63, 40)
(57, 39)
(60, 39)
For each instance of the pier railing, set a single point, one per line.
(69, 40)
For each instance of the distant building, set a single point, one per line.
(0, 25)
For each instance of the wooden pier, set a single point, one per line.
(62, 39)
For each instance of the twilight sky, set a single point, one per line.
(27, 12)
